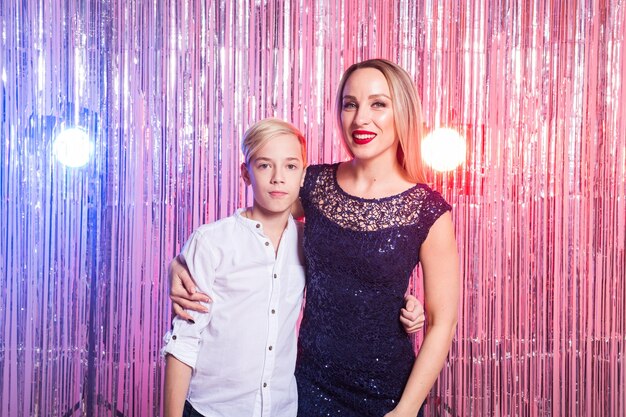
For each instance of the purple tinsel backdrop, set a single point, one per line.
(166, 89)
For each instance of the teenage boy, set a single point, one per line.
(238, 359)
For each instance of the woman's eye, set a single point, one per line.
(349, 105)
(379, 104)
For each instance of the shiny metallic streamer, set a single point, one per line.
(166, 89)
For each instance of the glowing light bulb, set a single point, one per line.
(72, 147)
(443, 149)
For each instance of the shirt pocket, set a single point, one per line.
(295, 283)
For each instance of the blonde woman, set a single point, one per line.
(369, 222)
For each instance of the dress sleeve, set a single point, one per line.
(435, 205)
(184, 339)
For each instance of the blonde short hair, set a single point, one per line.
(407, 113)
(264, 130)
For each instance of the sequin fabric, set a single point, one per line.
(354, 357)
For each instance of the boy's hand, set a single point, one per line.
(412, 315)
(183, 291)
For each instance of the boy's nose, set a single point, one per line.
(277, 177)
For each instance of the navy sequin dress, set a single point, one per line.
(354, 357)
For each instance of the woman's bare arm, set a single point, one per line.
(439, 260)
(177, 377)
(183, 291)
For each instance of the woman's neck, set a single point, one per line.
(372, 179)
(380, 169)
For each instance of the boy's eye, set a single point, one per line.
(263, 166)
(292, 166)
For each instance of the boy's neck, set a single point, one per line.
(274, 224)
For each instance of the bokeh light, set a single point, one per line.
(72, 147)
(443, 149)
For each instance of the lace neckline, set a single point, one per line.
(341, 191)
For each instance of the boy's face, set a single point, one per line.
(275, 173)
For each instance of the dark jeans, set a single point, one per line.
(189, 411)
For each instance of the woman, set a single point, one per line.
(369, 221)
(383, 220)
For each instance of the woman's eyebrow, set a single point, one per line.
(372, 96)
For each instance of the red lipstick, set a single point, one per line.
(363, 137)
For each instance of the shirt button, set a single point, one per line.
(174, 337)
(267, 243)
(275, 276)
(258, 225)
(270, 348)
(273, 311)
(264, 384)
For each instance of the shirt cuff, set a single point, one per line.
(182, 348)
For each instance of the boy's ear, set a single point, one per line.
(245, 174)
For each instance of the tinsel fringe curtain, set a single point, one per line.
(166, 89)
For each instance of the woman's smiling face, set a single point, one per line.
(367, 119)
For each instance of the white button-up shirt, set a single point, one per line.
(243, 351)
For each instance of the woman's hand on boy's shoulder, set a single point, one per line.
(183, 291)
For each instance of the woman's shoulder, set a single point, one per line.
(427, 191)
(316, 173)
(319, 179)
(317, 169)
(430, 199)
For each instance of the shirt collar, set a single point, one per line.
(254, 225)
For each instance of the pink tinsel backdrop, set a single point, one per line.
(166, 88)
